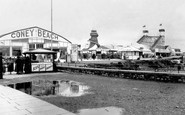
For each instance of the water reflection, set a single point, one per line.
(70, 88)
(46, 87)
(102, 111)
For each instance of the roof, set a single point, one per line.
(130, 48)
(93, 47)
(145, 38)
(103, 47)
(158, 42)
(152, 41)
(39, 51)
(36, 27)
(93, 42)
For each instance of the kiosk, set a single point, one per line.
(41, 60)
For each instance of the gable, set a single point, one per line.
(147, 40)
(159, 42)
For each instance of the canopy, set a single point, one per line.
(40, 51)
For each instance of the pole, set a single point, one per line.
(51, 24)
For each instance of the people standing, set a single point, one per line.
(18, 65)
(22, 64)
(10, 65)
(179, 68)
(27, 67)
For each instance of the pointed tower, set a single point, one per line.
(94, 39)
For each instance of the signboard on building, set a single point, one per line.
(49, 67)
(32, 33)
(42, 67)
(36, 67)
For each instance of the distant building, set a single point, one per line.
(156, 43)
(94, 48)
(130, 52)
(176, 52)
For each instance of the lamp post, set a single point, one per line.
(51, 24)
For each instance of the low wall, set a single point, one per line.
(129, 74)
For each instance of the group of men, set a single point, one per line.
(23, 65)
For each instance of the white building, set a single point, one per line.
(130, 52)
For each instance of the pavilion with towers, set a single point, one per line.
(155, 43)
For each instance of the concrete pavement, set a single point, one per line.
(14, 102)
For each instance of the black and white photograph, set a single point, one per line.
(92, 57)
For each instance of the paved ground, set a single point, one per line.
(14, 102)
(7, 75)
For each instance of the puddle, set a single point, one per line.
(70, 88)
(46, 87)
(102, 111)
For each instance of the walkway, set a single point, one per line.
(14, 102)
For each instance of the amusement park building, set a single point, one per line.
(156, 43)
(16, 42)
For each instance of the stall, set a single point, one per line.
(41, 60)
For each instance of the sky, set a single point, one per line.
(118, 22)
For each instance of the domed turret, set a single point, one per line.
(161, 30)
(145, 31)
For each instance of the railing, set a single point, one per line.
(128, 74)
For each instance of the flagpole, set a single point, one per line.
(51, 24)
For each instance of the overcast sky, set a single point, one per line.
(116, 21)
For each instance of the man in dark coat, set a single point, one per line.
(178, 68)
(18, 65)
(27, 67)
(10, 65)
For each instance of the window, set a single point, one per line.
(31, 46)
(39, 46)
(177, 50)
(36, 40)
(134, 52)
(16, 51)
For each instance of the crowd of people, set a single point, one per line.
(20, 65)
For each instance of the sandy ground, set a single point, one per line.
(135, 97)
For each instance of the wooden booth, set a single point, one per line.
(41, 60)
